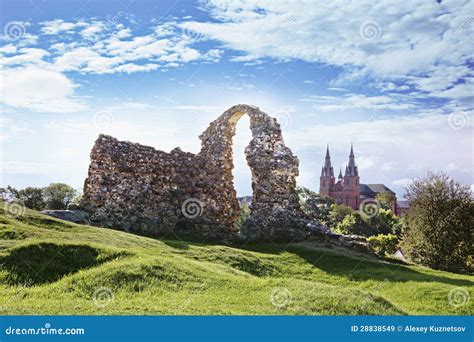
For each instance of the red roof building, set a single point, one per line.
(347, 189)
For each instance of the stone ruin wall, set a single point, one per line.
(140, 189)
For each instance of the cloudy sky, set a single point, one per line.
(393, 77)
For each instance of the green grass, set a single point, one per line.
(49, 266)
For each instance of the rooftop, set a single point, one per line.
(374, 189)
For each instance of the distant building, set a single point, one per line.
(347, 190)
(244, 200)
(402, 207)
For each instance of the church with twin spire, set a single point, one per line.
(347, 189)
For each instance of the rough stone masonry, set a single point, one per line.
(139, 189)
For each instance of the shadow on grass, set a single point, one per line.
(176, 244)
(45, 262)
(357, 269)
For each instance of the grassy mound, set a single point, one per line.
(48, 266)
(46, 262)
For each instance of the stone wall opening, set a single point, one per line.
(138, 188)
(241, 171)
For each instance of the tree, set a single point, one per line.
(438, 230)
(386, 199)
(385, 222)
(354, 224)
(58, 196)
(316, 206)
(77, 197)
(9, 194)
(3, 194)
(31, 198)
(338, 213)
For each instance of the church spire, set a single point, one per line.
(351, 168)
(340, 174)
(327, 170)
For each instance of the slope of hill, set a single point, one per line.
(49, 266)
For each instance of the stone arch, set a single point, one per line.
(275, 210)
(140, 189)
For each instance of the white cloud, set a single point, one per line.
(26, 56)
(10, 128)
(39, 90)
(131, 68)
(73, 60)
(106, 48)
(398, 148)
(136, 105)
(92, 30)
(402, 181)
(198, 108)
(56, 26)
(20, 167)
(353, 101)
(8, 49)
(426, 41)
(123, 33)
(365, 162)
(118, 51)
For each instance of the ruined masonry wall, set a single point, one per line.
(140, 189)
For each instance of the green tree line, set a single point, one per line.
(55, 196)
(437, 231)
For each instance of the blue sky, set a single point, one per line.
(396, 79)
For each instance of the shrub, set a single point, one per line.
(438, 227)
(385, 222)
(338, 214)
(244, 214)
(383, 243)
(354, 224)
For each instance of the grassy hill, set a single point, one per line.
(49, 266)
